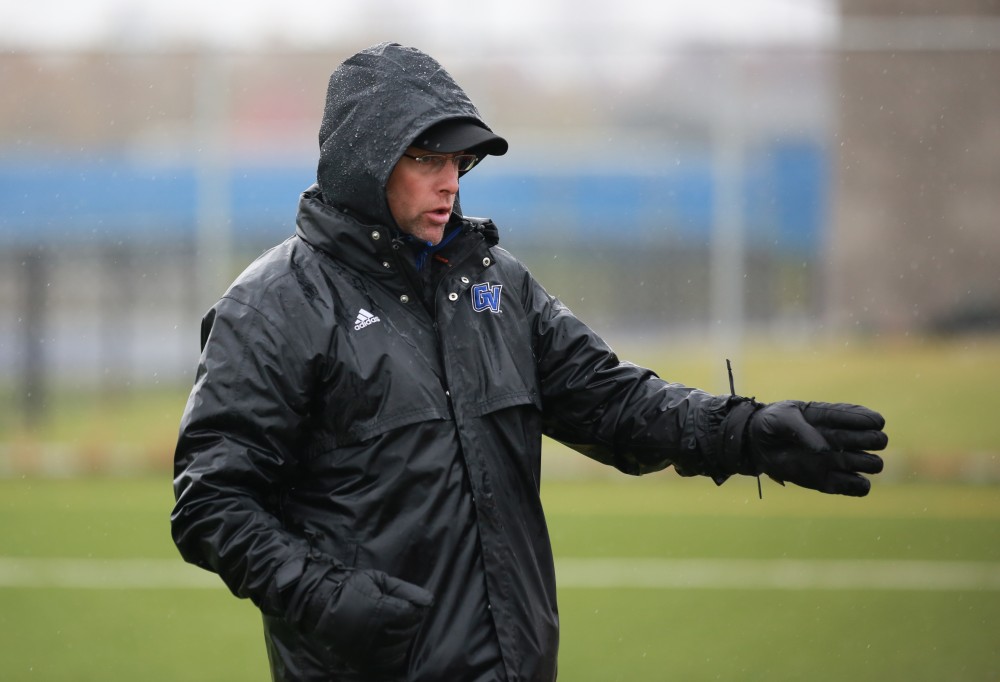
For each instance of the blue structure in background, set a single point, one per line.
(88, 200)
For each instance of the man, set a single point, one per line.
(360, 453)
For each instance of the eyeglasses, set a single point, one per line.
(432, 163)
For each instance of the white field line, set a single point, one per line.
(618, 573)
(104, 574)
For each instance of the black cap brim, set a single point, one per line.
(461, 135)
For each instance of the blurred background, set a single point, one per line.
(810, 188)
(800, 170)
(686, 176)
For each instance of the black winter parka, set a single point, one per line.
(342, 421)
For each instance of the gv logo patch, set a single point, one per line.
(486, 297)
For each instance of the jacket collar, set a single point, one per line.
(340, 234)
(366, 246)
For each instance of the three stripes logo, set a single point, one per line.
(365, 319)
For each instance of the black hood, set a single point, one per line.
(377, 102)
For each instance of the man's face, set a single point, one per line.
(421, 198)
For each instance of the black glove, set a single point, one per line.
(368, 619)
(816, 445)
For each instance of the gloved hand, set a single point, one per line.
(816, 445)
(370, 619)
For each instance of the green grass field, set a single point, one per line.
(660, 578)
(160, 620)
(938, 397)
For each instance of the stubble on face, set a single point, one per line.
(421, 202)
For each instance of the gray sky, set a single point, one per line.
(615, 26)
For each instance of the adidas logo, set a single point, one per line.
(365, 319)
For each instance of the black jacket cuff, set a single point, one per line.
(731, 450)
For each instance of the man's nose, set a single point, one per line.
(448, 177)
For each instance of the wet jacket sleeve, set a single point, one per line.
(619, 413)
(237, 436)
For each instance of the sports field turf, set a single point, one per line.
(661, 579)
(938, 398)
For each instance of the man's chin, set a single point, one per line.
(432, 234)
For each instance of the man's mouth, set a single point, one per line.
(442, 214)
